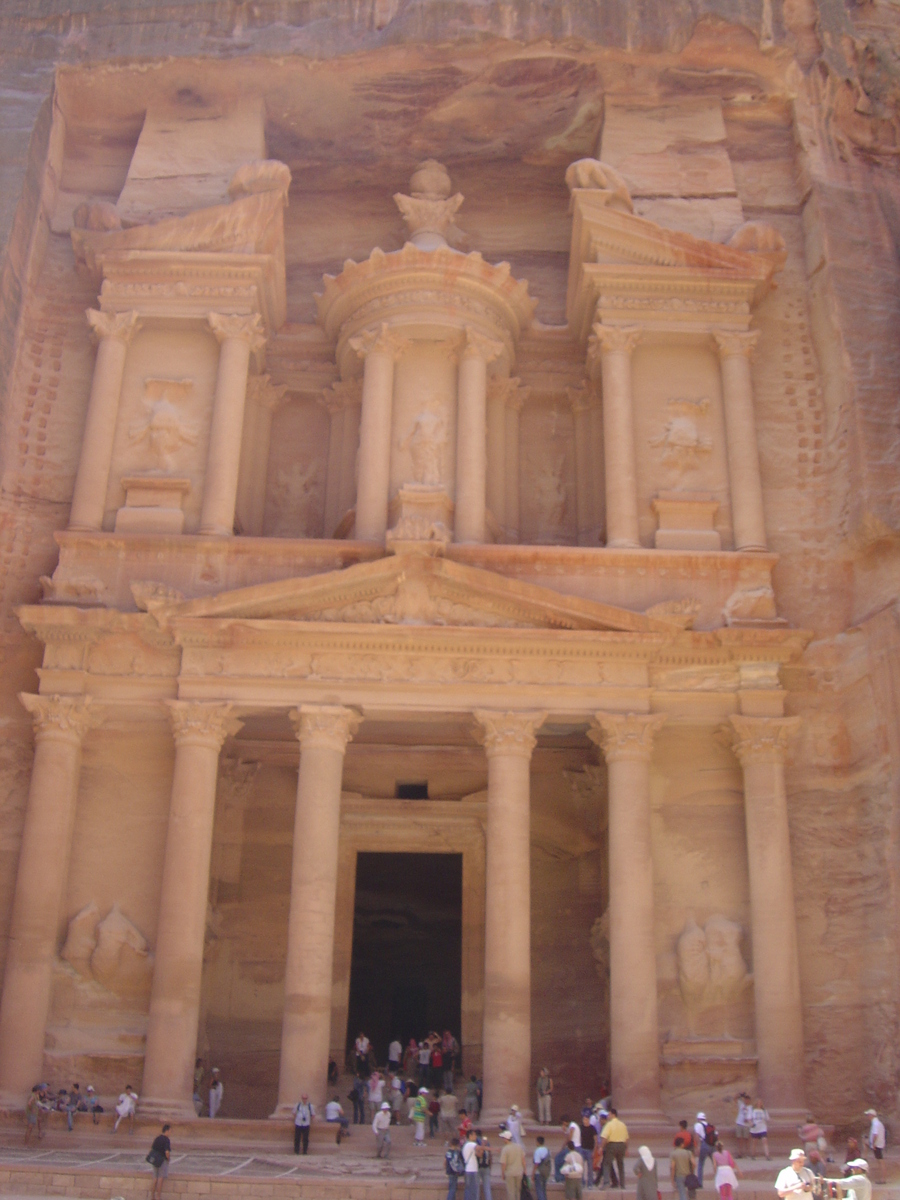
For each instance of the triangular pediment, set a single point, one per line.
(413, 589)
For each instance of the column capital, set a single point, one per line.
(762, 739)
(247, 328)
(733, 344)
(119, 325)
(582, 398)
(626, 735)
(383, 340)
(508, 732)
(346, 393)
(67, 718)
(262, 392)
(510, 391)
(201, 723)
(612, 338)
(330, 726)
(477, 345)
(236, 778)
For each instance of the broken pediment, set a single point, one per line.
(413, 589)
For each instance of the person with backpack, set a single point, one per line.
(706, 1136)
(542, 1168)
(158, 1158)
(454, 1166)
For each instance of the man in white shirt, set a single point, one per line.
(381, 1127)
(876, 1140)
(514, 1125)
(795, 1179)
(334, 1115)
(573, 1134)
(395, 1053)
(858, 1181)
(742, 1123)
(303, 1116)
(470, 1158)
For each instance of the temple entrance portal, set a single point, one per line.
(405, 975)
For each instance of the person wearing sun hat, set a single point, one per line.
(381, 1127)
(858, 1179)
(796, 1178)
(512, 1165)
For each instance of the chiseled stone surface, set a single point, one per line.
(713, 120)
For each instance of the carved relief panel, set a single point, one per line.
(679, 434)
(162, 431)
(547, 473)
(295, 492)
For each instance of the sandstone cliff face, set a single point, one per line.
(716, 112)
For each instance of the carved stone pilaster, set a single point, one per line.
(199, 722)
(626, 735)
(324, 725)
(119, 325)
(762, 739)
(66, 718)
(508, 732)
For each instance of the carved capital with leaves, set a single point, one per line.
(508, 732)
(626, 735)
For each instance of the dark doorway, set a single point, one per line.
(405, 977)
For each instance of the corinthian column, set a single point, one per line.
(333, 403)
(113, 332)
(495, 484)
(238, 336)
(516, 396)
(60, 723)
(626, 740)
(614, 345)
(471, 446)
(760, 744)
(380, 349)
(508, 738)
(200, 729)
(324, 731)
(747, 515)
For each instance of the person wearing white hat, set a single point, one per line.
(512, 1165)
(381, 1127)
(514, 1125)
(875, 1140)
(795, 1179)
(420, 1116)
(858, 1180)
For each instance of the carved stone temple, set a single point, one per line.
(450, 526)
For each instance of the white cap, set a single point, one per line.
(701, 1116)
(385, 1104)
(798, 1153)
(423, 1091)
(870, 1112)
(504, 1133)
(514, 1108)
(859, 1163)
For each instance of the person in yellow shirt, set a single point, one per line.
(614, 1142)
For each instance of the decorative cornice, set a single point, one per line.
(199, 723)
(508, 732)
(66, 718)
(119, 325)
(324, 726)
(762, 739)
(732, 345)
(626, 736)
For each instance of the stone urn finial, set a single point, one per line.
(429, 210)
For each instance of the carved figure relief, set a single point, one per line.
(164, 428)
(683, 445)
(425, 443)
(111, 952)
(711, 968)
(600, 945)
(549, 492)
(296, 495)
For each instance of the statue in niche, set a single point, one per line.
(164, 427)
(549, 493)
(711, 968)
(295, 494)
(684, 446)
(425, 443)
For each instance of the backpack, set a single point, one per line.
(454, 1162)
(710, 1135)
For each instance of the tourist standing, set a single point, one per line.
(588, 1144)
(125, 1108)
(303, 1118)
(875, 1140)
(726, 1179)
(472, 1097)
(454, 1167)
(706, 1137)
(514, 1125)
(361, 1052)
(357, 1097)
(572, 1171)
(396, 1099)
(376, 1091)
(485, 1162)
(759, 1129)
(216, 1092)
(449, 1106)
(544, 1092)
(411, 1058)
(158, 1158)
(34, 1114)
(198, 1086)
(859, 1179)
(541, 1169)
(742, 1123)
(796, 1178)
(420, 1116)
(470, 1166)
(395, 1054)
(614, 1142)
(381, 1127)
(646, 1171)
(681, 1165)
(512, 1165)
(424, 1062)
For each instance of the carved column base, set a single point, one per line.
(423, 517)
